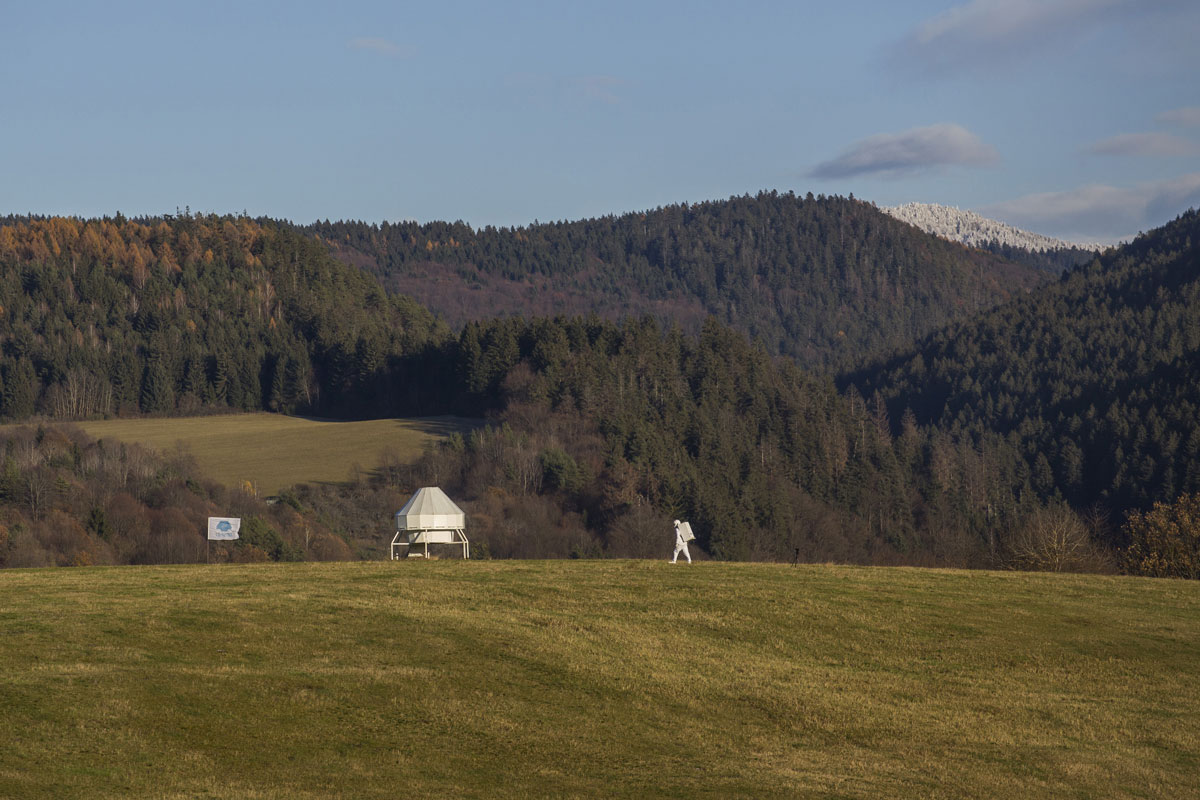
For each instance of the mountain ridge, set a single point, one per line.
(823, 280)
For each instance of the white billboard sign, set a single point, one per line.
(224, 527)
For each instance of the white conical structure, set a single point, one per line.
(430, 517)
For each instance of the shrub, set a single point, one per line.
(560, 472)
(1164, 542)
(1052, 539)
(256, 533)
(24, 550)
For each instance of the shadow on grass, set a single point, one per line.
(435, 426)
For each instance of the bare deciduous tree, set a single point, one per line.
(1052, 539)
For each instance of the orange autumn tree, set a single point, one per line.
(175, 314)
(1164, 542)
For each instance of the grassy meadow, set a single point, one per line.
(595, 679)
(273, 451)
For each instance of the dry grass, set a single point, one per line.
(590, 679)
(274, 451)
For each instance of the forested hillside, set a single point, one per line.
(1055, 261)
(824, 280)
(599, 434)
(1096, 378)
(603, 432)
(172, 315)
(600, 431)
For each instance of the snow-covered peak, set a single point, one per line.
(974, 230)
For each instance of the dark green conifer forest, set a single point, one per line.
(1095, 378)
(823, 280)
(1055, 261)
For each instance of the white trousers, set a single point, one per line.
(681, 547)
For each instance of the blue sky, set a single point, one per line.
(1076, 118)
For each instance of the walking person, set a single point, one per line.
(682, 534)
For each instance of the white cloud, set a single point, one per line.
(984, 30)
(375, 44)
(1145, 144)
(1099, 212)
(909, 152)
(1188, 116)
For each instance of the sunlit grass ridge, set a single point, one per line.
(273, 451)
(616, 678)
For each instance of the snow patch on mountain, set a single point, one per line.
(975, 230)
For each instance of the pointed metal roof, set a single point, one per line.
(430, 509)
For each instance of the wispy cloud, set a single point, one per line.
(1145, 144)
(378, 45)
(909, 152)
(1188, 116)
(983, 31)
(1099, 212)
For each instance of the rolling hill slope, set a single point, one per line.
(273, 452)
(824, 280)
(589, 679)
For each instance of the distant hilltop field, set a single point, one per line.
(975, 230)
